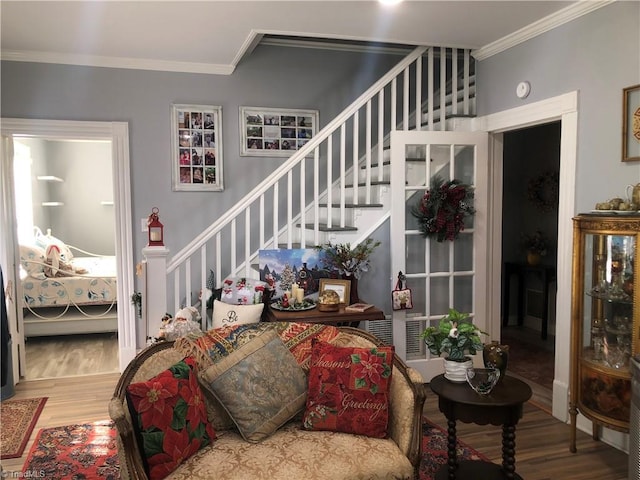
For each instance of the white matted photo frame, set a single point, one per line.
(631, 124)
(196, 147)
(275, 132)
(341, 287)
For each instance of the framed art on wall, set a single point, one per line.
(631, 123)
(275, 132)
(196, 147)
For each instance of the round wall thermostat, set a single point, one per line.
(523, 89)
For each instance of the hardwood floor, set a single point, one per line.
(542, 442)
(71, 355)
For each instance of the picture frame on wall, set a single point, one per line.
(196, 147)
(275, 132)
(631, 124)
(341, 287)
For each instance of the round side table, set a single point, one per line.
(503, 406)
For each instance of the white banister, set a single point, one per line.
(220, 240)
(155, 280)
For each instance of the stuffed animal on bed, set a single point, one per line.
(58, 266)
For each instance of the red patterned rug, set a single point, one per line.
(434, 450)
(19, 417)
(75, 452)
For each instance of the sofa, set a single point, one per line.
(288, 445)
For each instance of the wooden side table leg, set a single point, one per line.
(451, 449)
(509, 450)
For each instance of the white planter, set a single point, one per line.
(457, 371)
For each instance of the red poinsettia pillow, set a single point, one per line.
(349, 389)
(169, 418)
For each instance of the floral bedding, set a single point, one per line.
(97, 287)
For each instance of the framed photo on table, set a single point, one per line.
(341, 287)
(196, 147)
(275, 132)
(631, 123)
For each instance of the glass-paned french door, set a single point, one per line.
(441, 275)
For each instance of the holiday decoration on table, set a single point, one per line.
(443, 208)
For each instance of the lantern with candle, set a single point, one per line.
(156, 229)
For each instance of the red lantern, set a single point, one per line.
(156, 229)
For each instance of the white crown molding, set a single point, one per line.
(116, 62)
(543, 25)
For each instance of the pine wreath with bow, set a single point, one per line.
(443, 208)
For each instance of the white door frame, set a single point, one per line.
(563, 108)
(118, 134)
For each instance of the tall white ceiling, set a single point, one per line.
(213, 36)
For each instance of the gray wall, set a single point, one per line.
(597, 55)
(272, 77)
(86, 171)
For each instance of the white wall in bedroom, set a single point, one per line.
(84, 220)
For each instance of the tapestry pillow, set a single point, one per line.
(226, 315)
(260, 385)
(242, 291)
(32, 259)
(169, 418)
(349, 389)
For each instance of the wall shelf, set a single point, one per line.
(49, 178)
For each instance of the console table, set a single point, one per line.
(522, 270)
(503, 406)
(316, 316)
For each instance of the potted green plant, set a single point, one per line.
(455, 338)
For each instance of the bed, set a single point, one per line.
(65, 294)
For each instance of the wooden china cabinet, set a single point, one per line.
(605, 319)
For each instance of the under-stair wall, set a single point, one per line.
(336, 188)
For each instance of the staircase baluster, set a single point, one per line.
(343, 145)
(380, 161)
(367, 185)
(356, 158)
(303, 203)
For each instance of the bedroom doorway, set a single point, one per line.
(116, 135)
(58, 200)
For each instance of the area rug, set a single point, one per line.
(75, 452)
(434, 450)
(532, 362)
(18, 417)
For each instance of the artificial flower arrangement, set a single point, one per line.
(455, 336)
(347, 260)
(442, 209)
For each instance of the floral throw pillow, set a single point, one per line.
(169, 418)
(349, 389)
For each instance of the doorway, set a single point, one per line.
(117, 134)
(563, 108)
(530, 187)
(58, 199)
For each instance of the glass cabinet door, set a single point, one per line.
(608, 312)
(605, 319)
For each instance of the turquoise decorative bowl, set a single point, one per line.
(482, 380)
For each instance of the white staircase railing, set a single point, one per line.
(311, 195)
